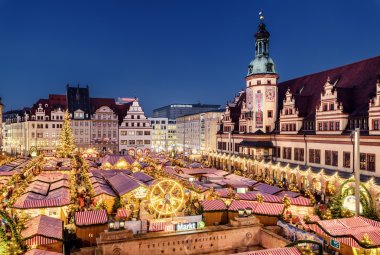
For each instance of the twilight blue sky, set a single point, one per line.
(171, 51)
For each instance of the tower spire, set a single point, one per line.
(262, 62)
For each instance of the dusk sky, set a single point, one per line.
(171, 51)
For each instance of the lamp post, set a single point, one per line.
(357, 170)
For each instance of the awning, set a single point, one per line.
(256, 144)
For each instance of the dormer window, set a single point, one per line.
(325, 107)
(269, 67)
(331, 107)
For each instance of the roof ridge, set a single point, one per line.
(331, 69)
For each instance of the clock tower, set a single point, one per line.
(261, 81)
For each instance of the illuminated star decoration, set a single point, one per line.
(261, 15)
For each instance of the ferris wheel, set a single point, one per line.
(166, 197)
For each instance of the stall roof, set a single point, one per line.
(213, 205)
(89, 218)
(44, 226)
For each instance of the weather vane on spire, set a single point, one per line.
(261, 15)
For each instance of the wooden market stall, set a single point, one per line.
(89, 225)
(45, 233)
(214, 212)
(267, 213)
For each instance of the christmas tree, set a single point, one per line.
(66, 146)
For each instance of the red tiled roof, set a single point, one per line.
(355, 84)
(213, 205)
(87, 218)
(44, 226)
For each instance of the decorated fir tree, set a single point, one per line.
(66, 145)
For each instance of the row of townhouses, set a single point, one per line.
(307, 121)
(104, 124)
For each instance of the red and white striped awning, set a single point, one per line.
(349, 231)
(277, 251)
(87, 218)
(302, 201)
(271, 209)
(157, 226)
(122, 213)
(268, 209)
(39, 240)
(214, 205)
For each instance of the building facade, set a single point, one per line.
(196, 133)
(135, 131)
(105, 123)
(78, 103)
(36, 129)
(95, 124)
(307, 121)
(173, 111)
(163, 134)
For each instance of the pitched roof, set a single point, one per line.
(355, 84)
(213, 205)
(44, 226)
(123, 183)
(56, 198)
(88, 218)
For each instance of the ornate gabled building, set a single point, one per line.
(135, 136)
(36, 128)
(307, 121)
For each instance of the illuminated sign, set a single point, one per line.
(140, 192)
(186, 226)
(201, 224)
(335, 244)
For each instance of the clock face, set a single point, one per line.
(270, 94)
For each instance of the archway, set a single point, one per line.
(347, 191)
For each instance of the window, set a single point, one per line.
(269, 81)
(337, 126)
(277, 151)
(287, 153)
(331, 107)
(375, 124)
(299, 154)
(331, 125)
(258, 82)
(270, 114)
(314, 156)
(331, 158)
(346, 159)
(320, 126)
(367, 162)
(325, 107)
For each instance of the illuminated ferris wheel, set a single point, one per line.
(166, 197)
